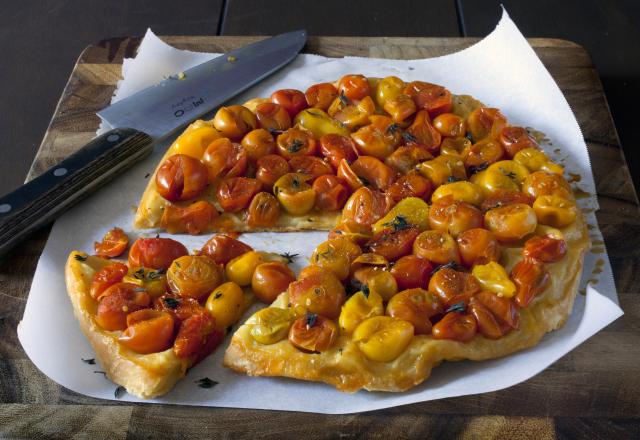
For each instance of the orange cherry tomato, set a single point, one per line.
(436, 246)
(373, 172)
(393, 244)
(293, 101)
(294, 193)
(107, 276)
(504, 197)
(546, 249)
(319, 291)
(484, 121)
(502, 308)
(197, 337)
(400, 107)
(365, 207)
(310, 165)
(478, 246)
(296, 142)
(455, 326)
(181, 177)
(148, 331)
(453, 286)
(235, 194)
(482, 153)
(331, 192)
(511, 222)
(194, 276)
(542, 183)
(263, 211)
(270, 168)
(116, 302)
(377, 139)
(113, 244)
(531, 278)
(450, 125)
(417, 306)
(354, 86)
(179, 307)
(222, 248)
(410, 185)
(430, 97)
(235, 121)
(258, 143)
(273, 117)
(346, 174)
(454, 217)
(405, 159)
(488, 326)
(194, 219)
(224, 158)
(313, 333)
(335, 147)
(321, 95)
(270, 280)
(514, 139)
(454, 145)
(411, 272)
(155, 253)
(422, 132)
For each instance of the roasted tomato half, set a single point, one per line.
(155, 253)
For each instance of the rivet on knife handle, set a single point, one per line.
(44, 198)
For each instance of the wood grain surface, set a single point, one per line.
(590, 393)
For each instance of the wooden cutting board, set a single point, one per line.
(593, 391)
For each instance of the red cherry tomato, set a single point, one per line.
(113, 244)
(411, 272)
(148, 331)
(354, 86)
(293, 101)
(193, 337)
(405, 159)
(488, 326)
(235, 194)
(335, 147)
(106, 277)
(373, 172)
(310, 165)
(456, 326)
(423, 133)
(221, 248)
(502, 308)
(393, 244)
(453, 286)
(514, 139)
(431, 97)
(296, 142)
(194, 219)
(531, 278)
(117, 302)
(224, 158)
(546, 249)
(313, 333)
(331, 192)
(155, 253)
(478, 246)
(180, 307)
(411, 185)
(272, 116)
(321, 95)
(271, 168)
(263, 211)
(181, 177)
(365, 207)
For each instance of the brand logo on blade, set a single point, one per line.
(186, 105)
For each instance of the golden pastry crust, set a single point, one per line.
(346, 368)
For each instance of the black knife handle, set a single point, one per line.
(47, 196)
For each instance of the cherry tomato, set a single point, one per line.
(180, 307)
(347, 175)
(224, 158)
(221, 248)
(410, 185)
(331, 192)
(454, 217)
(294, 193)
(293, 101)
(321, 95)
(502, 308)
(148, 331)
(393, 244)
(354, 86)
(258, 143)
(155, 253)
(226, 304)
(405, 159)
(181, 177)
(263, 211)
(270, 280)
(514, 139)
(454, 146)
(235, 194)
(400, 107)
(116, 302)
(430, 97)
(484, 121)
(455, 326)
(335, 147)
(319, 292)
(313, 333)
(296, 142)
(271, 168)
(488, 326)
(542, 183)
(453, 286)
(450, 125)
(373, 172)
(504, 197)
(365, 207)
(511, 222)
(416, 306)
(336, 255)
(310, 165)
(194, 339)
(436, 246)
(423, 133)
(478, 246)
(546, 249)
(273, 117)
(411, 272)
(194, 275)
(531, 278)
(235, 121)
(482, 153)
(377, 139)
(194, 219)
(113, 244)
(107, 276)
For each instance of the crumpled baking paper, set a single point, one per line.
(52, 338)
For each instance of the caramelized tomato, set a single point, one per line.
(454, 217)
(450, 125)
(531, 278)
(335, 147)
(258, 143)
(319, 292)
(221, 248)
(373, 172)
(453, 286)
(422, 132)
(293, 101)
(270, 168)
(107, 276)
(416, 306)
(377, 139)
(482, 153)
(406, 158)
(505, 197)
(270, 280)
(309, 165)
(194, 276)
(546, 249)
(411, 271)
(273, 117)
(296, 142)
(365, 207)
(321, 95)
(484, 122)
(197, 337)
(542, 183)
(294, 193)
(511, 222)
(331, 192)
(194, 219)
(456, 326)
(235, 194)
(313, 333)
(224, 158)
(393, 243)
(263, 211)
(113, 244)
(181, 177)
(155, 253)
(116, 302)
(488, 326)
(433, 98)
(436, 246)
(235, 121)
(410, 185)
(514, 139)
(502, 308)
(478, 246)
(354, 86)
(148, 331)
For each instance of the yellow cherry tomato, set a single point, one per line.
(226, 304)
(319, 123)
(511, 222)
(352, 116)
(194, 142)
(532, 158)
(411, 211)
(542, 183)
(552, 167)
(401, 107)
(512, 169)
(443, 168)
(240, 270)
(383, 283)
(383, 338)
(294, 193)
(153, 281)
(358, 308)
(543, 230)
(252, 104)
(271, 324)
(463, 191)
(235, 121)
(493, 181)
(387, 89)
(336, 254)
(493, 277)
(454, 146)
(194, 276)
(555, 211)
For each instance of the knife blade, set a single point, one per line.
(138, 122)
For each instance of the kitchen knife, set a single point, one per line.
(138, 122)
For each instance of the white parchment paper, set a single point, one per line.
(502, 70)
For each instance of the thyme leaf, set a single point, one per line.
(170, 302)
(459, 307)
(91, 361)
(365, 291)
(295, 146)
(205, 382)
(344, 101)
(393, 128)
(289, 257)
(80, 257)
(408, 137)
(398, 223)
(452, 179)
(119, 392)
(311, 319)
(477, 168)
(450, 265)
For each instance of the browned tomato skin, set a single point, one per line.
(293, 101)
(478, 246)
(504, 197)
(393, 244)
(456, 326)
(224, 158)
(113, 244)
(270, 168)
(417, 306)
(310, 165)
(270, 280)
(313, 333)
(116, 302)
(531, 278)
(335, 147)
(423, 132)
(354, 86)
(433, 98)
(331, 192)
(296, 142)
(321, 95)
(411, 185)
(454, 217)
(181, 177)
(263, 211)
(107, 276)
(412, 272)
(365, 207)
(405, 158)
(453, 286)
(235, 194)
(194, 219)
(258, 143)
(502, 308)
(546, 249)
(488, 326)
(482, 153)
(148, 331)
(155, 253)
(197, 337)
(222, 248)
(373, 172)
(273, 117)
(514, 139)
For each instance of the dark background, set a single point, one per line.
(40, 41)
